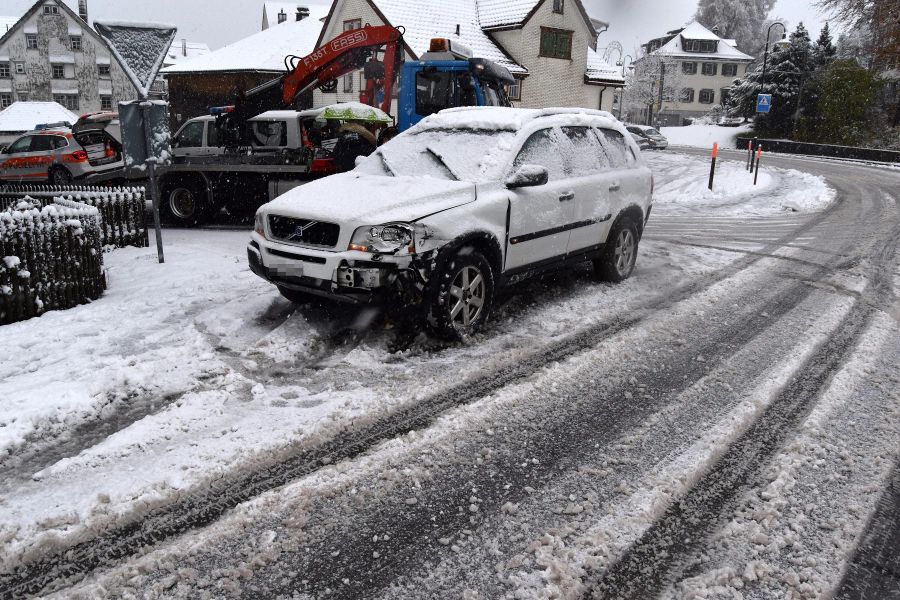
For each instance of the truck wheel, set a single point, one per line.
(461, 295)
(60, 176)
(185, 203)
(618, 258)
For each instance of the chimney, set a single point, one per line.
(282, 16)
(82, 10)
(183, 46)
(302, 13)
(457, 29)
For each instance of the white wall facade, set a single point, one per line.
(552, 81)
(31, 70)
(699, 82)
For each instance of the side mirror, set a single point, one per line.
(528, 176)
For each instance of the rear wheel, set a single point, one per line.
(461, 296)
(60, 176)
(185, 203)
(618, 258)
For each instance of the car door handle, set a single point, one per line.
(566, 196)
(615, 187)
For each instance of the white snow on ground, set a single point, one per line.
(682, 185)
(704, 136)
(201, 338)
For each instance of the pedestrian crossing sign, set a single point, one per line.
(763, 103)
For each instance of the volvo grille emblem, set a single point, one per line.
(300, 230)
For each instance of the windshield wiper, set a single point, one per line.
(440, 158)
(387, 165)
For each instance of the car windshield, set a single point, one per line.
(457, 154)
(651, 131)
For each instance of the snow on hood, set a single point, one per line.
(371, 199)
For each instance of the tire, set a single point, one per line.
(620, 254)
(461, 295)
(59, 176)
(295, 296)
(185, 203)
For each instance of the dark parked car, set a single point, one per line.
(656, 140)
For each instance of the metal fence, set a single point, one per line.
(122, 214)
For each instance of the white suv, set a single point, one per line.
(467, 201)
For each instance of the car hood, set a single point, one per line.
(353, 198)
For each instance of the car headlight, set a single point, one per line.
(259, 225)
(385, 239)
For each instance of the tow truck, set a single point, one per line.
(240, 178)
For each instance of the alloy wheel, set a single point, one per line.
(624, 256)
(468, 292)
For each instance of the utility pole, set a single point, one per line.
(766, 54)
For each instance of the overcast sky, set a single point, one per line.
(220, 22)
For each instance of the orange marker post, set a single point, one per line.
(712, 167)
(758, 157)
(749, 155)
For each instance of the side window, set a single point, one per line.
(269, 133)
(212, 134)
(191, 136)
(41, 143)
(59, 141)
(589, 156)
(617, 149)
(543, 148)
(20, 145)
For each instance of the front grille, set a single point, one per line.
(304, 231)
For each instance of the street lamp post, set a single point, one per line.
(766, 55)
(622, 92)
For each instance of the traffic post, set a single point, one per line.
(749, 154)
(758, 157)
(712, 167)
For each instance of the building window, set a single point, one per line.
(69, 101)
(707, 96)
(5, 73)
(75, 42)
(514, 91)
(729, 70)
(686, 96)
(556, 43)
(689, 68)
(352, 24)
(51, 9)
(31, 41)
(105, 102)
(710, 69)
(20, 68)
(58, 71)
(348, 83)
(103, 71)
(723, 95)
(559, 6)
(5, 100)
(707, 46)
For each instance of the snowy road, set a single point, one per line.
(725, 422)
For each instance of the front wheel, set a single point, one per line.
(461, 295)
(618, 258)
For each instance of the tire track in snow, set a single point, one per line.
(682, 529)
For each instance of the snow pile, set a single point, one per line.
(682, 186)
(704, 136)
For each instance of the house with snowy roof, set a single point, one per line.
(548, 45)
(51, 53)
(25, 116)
(692, 68)
(276, 13)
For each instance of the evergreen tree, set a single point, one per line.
(848, 95)
(742, 20)
(824, 51)
(789, 67)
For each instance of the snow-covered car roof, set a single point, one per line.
(512, 119)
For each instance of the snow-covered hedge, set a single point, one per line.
(50, 257)
(122, 216)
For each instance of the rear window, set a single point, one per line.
(269, 133)
(619, 153)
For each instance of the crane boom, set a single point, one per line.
(343, 54)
